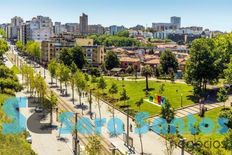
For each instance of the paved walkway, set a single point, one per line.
(152, 142)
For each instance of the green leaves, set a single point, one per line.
(73, 55)
(168, 62)
(111, 61)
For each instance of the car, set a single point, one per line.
(38, 109)
(29, 139)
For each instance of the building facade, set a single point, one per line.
(83, 27)
(96, 29)
(115, 29)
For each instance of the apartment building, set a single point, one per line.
(83, 27)
(95, 54)
(41, 28)
(51, 48)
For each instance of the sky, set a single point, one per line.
(212, 14)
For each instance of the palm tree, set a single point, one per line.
(113, 90)
(147, 72)
(52, 66)
(80, 84)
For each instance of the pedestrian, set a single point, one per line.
(131, 128)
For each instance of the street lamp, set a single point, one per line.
(75, 138)
(127, 120)
(182, 141)
(44, 72)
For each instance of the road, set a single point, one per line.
(153, 143)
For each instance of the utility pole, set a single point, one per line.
(44, 72)
(127, 120)
(127, 123)
(76, 140)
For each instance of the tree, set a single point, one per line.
(139, 103)
(147, 72)
(3, 47)
(65, 56)
(65, 76)
(111, 61)
(222, 95)
(73, 69)
(33, 49)
(201, 68)
(94, 145)
(123, 96)
(228, 73)
(2, 33)
(75, 54)
(113, 90)
(80, 84)
(124, 33)
(227, 142)
(227, 113)
(168, 62)
(41, 87)
(78, 56)
(100, 85)
(167, 113)
(52, 104)
(20, 46)
(52, 67)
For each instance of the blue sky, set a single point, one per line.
(213, 14)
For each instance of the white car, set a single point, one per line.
(29, 139)
(38, 109)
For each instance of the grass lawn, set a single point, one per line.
(213, 114)
(135, 91)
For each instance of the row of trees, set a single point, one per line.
(37, 88)
(3, 47)
(119, 40)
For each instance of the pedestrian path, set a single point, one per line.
(192, 110)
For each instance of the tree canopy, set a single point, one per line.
(202, 66)
(168, 62)
(75, 54)
(111, 61)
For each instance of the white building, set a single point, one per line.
(41, 28)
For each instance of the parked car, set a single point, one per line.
(38, 109)
(29, 139)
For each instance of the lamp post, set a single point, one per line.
(182, 141)
(127, 123)
(44, 71)
(76, 139)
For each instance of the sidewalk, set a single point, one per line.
(45, 144)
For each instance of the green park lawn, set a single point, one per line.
(213, 136)
(135, 90)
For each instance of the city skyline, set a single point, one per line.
(131, 13)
